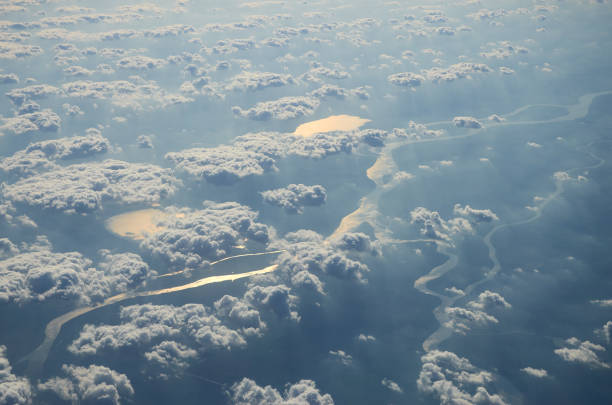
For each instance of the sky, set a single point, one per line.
(327, 202)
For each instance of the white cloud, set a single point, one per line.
(582, 352)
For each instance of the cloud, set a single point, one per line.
(308, 255)
(144, 141)
(190, 237)
(366, 338)
(222, 164)
(392, 385)
(358, 242)
(488, 299)
(140, 62)
(475, 215)
(41, 156)
(40, 274)
(602, 303)
(304, 392)
(294, 197)
(535, 372)
(462, 70)
(406, 79)
(467, 122)
(455, 380)
(342, 357)
(582, 352)
(142, 325)
(252, 81)
(85, 188)
(606, 331)
(90, 384)
(462, 320)
(275, 297)
(9, 78)
(44, 120)
(435, 227)
(281, 109)
(169, 357)
(13, 390)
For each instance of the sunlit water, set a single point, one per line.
(330, 124)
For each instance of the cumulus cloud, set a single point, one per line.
(342, 357)
(585, 352)
(462, 320)
(606, 331)
(304, 392)
(488, 299)
(13, 390)
(44, 120)
(144, 324)
(406, 79)
(40, 274)
(475, 215)
(251, 81)
(455, 380)
(392, 385)
(435, 227)
(221, 165)
(467, 122)
(92, 384)
(294, 197)
(535, 372)
(41, 156)
(308, 257)
(85, 188)
(281, 109)
(190, 237)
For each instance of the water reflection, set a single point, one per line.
(37, 358)
(329, 124)
(137, 224)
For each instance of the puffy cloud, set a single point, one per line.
(40, 156)
(455, 380)
(251, 81)
(582, 352)
(342, 357)
(435, 227)
(535, 372)
(9, 78)
(467, 122)
(189, 237)
(240, 313)
(33, 92)
(141, 62)
(606, 331)
(281, 109)
(503, 50)
(144, 324)
(358, 242)
(11, 50)
(406, 79)
(135, 94)
(91, 384)
(489, 299)
(308, 254)
(294, 197)
(304, 392)
(144, 141)
(278, 298)
(45, 120)
(366, 338)
(40, 274)
(169, 355)
(461, 319)
(221, 165)
(392, 385)
(462, 70)
(13, 390)
(602, 303)
(85, 187)
(475, 215)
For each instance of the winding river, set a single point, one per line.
(385, 168)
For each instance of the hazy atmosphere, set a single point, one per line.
(327, 202)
